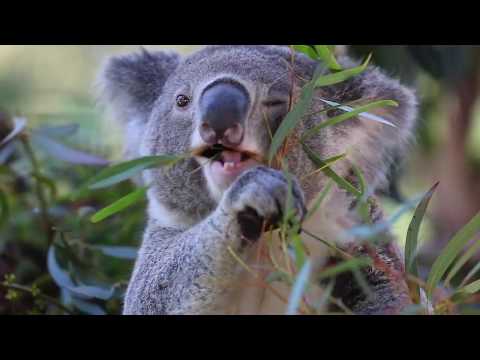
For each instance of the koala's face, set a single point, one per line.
(223, 105)
(228, 101)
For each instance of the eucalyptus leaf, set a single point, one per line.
(127, 170)
(338, 77)
(294, 116)
(120, 205)
(349, 115)
(327, 55)
(65, 153)
(58, 131)
(299, 287)
(451, 251)
(120, 252)
(307, 50)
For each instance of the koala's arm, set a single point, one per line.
(179, 272)
(187, 272)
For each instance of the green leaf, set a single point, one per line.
(462, 261)
(338, 77)
(293, 117)
(299, 287)
(120, 205)
(48, 183)
(327, 55)
(413, 231)
(451, 251)
(307, 50)
(359, 111)
(340, 181)
(126, 170)
(472, 288)
(299, 250)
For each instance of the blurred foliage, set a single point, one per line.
(81, 267)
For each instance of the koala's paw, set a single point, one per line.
(258, 199)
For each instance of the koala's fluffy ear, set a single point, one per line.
(133, 82)
(129, 85)
(371, 145)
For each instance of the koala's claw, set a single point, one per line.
(259, 198)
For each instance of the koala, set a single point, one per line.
(222, 105)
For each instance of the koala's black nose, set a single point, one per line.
(223, 110)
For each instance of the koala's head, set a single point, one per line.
(223, 104)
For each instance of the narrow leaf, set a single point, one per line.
(58, 131)
(299, 288)
(122, 204)
(307, 50)
(340, 181)
(326, 54)
(341, 76)
(451, 251)
(462, 261)
(345, 266)
(347, 116)
(413, 231)
(4, 208)
(120, 252)
(319, 200)
(126, 170)
(293, 117)
(87, 307)
(64, 153)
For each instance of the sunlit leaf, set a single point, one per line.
(347, 116)
(307, 50)
(19, 125)
(122, 204)
(293, 117)
(299, 287)
(126, 170)
(64, 153)
(451, 251)
(327, 55)
(338, 77)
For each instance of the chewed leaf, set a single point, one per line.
(20, 125)
(120, 205)
(65, 153)
(365, 115)
(335, 78)
(126, 170)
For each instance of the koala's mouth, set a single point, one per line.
(228, 157)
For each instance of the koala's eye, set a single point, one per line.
(183, 101)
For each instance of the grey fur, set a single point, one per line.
(184, 266)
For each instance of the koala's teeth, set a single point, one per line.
(229, 165)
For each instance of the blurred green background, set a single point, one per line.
(53, 86)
